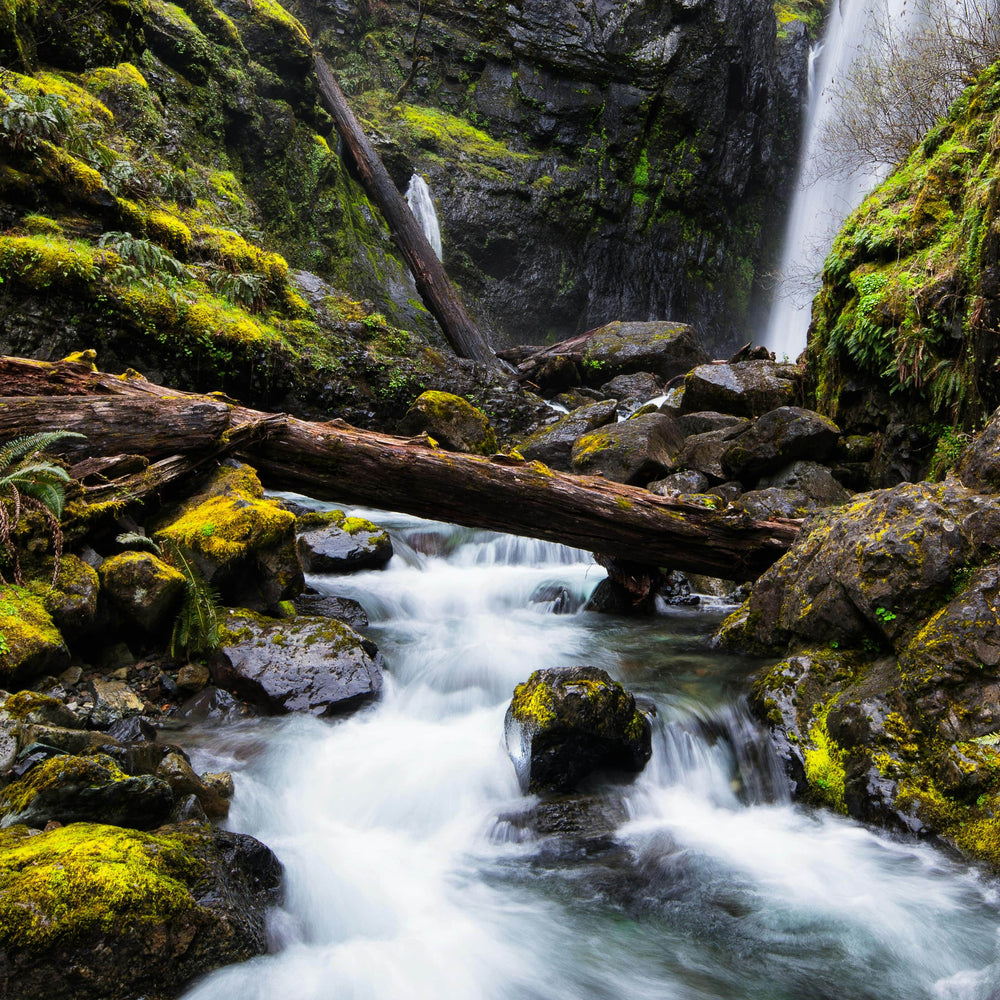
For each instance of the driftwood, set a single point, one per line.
(332, 461)
(429, 274)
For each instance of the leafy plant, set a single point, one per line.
(29, 119)
(28, 480)
(884, 615)
(196, 629)
(142, 259)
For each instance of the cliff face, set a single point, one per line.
(906, 328)
(590, 162)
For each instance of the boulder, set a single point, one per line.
(114, 700)
(556, 598)
(31, 644)
(315, 665)
(175, 769)
(633, 451)
(814, 480)
(565, 725)
(553, 444)
(776, 502)
(143, 590)
(29, 708)
(703, 452)
(662, 349)
(331, 542)
(689, 481)
(708, 420)
(240, 542)
(103, 913)
(870, 570)
(73, 602)
(344, 609)
(453, 422)
(777, 438)
(632, 391)
(746, 389)
(979, 467)
(70, 789)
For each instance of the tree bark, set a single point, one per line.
(429, 274)
(336, 462)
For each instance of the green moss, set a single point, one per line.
(40, 261)
(55, 773)
(824, 765)
(532, 704)
(240, 516)
(64, 885)
(20, 706)
(26, 632)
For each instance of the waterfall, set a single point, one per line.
(822, 200)
(418, 197)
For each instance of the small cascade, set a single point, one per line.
(418, 197)
(822, 200)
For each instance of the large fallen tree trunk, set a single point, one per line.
(429, 274)
(336, 462)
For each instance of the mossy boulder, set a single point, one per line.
(553, 443)
(780, 436)
(144, 591)
(662, 349)
(242, 543)
(634, 451)
(816, 481)
(565, 725)
(632, 391)
(868, 572)
(70, 789)
(103, 913)
(743, 388)
(73, 601)
(315, 665)
(30, 643)
(331, 542)
(702, 451)
(453, 422)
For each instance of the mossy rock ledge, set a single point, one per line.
(90, 912)
(30, 643)
(565, 725)
(886, 703)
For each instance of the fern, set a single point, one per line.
(196, 628)
(137, 540)
(30, 481)
(989, 740)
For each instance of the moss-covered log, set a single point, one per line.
(333, 461)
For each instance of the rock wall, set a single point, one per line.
(590, 162)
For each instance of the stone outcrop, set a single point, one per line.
(331, 542)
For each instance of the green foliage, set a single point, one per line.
(28, 480)
(197, 626)
(142, 260)
(29, 119)
(884, 615)
(951, 444)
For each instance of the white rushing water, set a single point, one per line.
(822, 199)
(409, 875)
(418, 197)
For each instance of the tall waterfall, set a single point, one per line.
(418, 197)
(821, 200)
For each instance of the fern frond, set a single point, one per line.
(19, 447)
(137, 540)
(989, 740)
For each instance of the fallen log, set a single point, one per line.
(335, 462)
(431, 279)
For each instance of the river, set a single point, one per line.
(411, 873)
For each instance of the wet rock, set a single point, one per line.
(68, 740)
(212, 705)
(814, 480)
(705, 421)
(774, 502)
(632, 391)
(634, 451)
(689, 481)
(703, 452)
(192, 677)
(609, 597)
(746, 389)
(563, 726)
(661, 349)
(588, 821)
(144, 591)
(559, 599)
(453, 422)
(73, 602)
(331, 542)
(344, 609)
(777, 438)
(315, 665)
(177, 772)
(242, 543)
(31, 708)
(676, 591)
(113, 700)
(133, 914)
(871, 569)
(553, 444)
(71, 789)
(134, 729)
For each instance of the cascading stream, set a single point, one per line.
(822, 198)
(406, 879)
(418, 197)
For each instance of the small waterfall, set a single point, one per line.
(418, 197)
(822, 200)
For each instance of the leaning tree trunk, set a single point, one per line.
(333, 461)
(429, 274)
